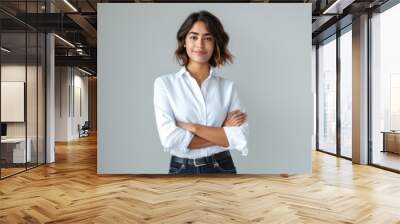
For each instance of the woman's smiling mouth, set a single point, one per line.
(200, 52)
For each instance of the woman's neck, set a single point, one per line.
(198, 71)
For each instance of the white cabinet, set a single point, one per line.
(18, 149)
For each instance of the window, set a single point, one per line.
(327, 96)
(346, 93)
(22, 73)
(385, 88)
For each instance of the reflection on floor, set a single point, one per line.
(10, 169)
(346, 152)
(386, 159)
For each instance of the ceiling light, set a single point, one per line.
(79, 51)
(5, 50)
(329, 9)
(70, 5)
(64, 40)
(86, 72)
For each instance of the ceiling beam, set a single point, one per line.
(86, 26)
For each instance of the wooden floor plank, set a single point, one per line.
(70, 191)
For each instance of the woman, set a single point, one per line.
(198, 113)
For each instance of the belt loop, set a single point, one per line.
(214, 161)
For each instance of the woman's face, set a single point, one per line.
(199, 43)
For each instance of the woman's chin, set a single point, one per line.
(200, 60)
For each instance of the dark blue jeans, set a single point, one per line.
(225, 165)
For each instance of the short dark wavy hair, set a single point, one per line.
(221, 54)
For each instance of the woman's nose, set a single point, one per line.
(200, 42)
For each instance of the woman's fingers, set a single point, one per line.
(239, 121)
(235, 118)
(239, 116)
(232, 113)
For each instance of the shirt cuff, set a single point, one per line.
(236, 139)
(186, 141)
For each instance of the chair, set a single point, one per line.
(84, 130)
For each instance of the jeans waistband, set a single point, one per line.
(203, 160)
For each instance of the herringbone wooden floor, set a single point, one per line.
(70, 191)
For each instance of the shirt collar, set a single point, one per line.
(183, 71)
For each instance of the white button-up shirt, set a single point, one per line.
(178, 98)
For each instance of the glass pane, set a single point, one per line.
(41, 99)
(313, 72)
(31, 101)
(327, 97)
(22, 88)
(346, 93)
(386, 89)
(13, 86)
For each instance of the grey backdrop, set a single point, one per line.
(272, 69)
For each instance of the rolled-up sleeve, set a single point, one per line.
(171, 136)
(237, 135)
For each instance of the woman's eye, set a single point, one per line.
(209, 38)
(193, 37)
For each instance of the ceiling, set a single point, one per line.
(77, 23)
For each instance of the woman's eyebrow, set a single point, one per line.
(195, 33)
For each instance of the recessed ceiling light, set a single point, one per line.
(5, 50)
(64, 40)
(70, 5)
(84, 71)
(329, 9)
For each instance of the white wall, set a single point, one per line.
(80, 83)
(67, 117)
(15, 72)
(61, 103)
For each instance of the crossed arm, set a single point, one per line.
(205, 136)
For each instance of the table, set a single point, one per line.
(13, 150)
(391, 141)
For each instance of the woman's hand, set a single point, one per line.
(235, 118)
